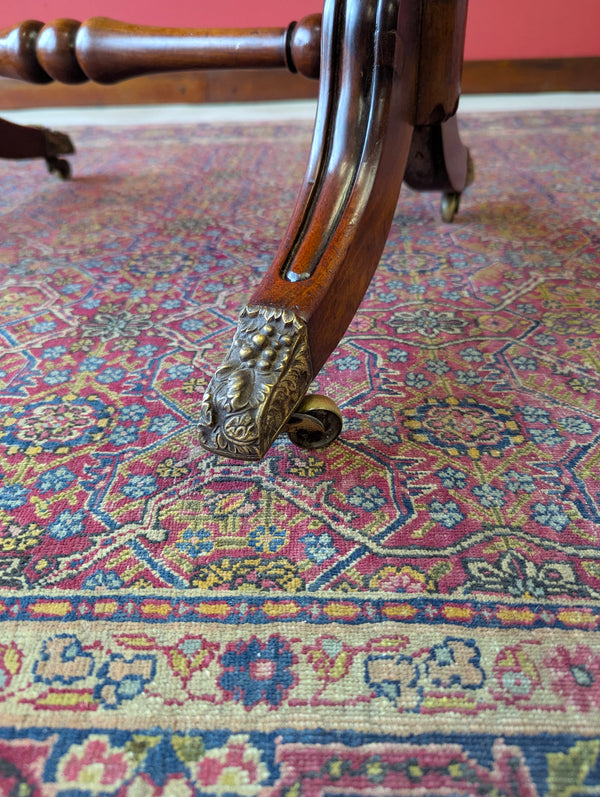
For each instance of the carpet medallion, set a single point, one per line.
(412, 611)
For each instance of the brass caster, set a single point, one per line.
(470, 170)
(316, 423)
(449, 206)
(59, 166)
(451, 200)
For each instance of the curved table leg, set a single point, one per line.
(439, 161)
(301, 309)
(21, 142)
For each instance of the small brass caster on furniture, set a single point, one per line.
(315, 424)
(449, 206)
(451, 200)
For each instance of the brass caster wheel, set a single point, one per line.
(59, 166)
(470, 170)
(449, 206)
(316, 423)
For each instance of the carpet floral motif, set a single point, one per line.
(412, 610)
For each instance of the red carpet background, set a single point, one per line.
(413, 610)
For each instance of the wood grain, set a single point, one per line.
(479, 77)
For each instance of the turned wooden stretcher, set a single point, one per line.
(389, 73)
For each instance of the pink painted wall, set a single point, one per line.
(496, 28)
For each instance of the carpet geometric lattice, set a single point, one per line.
(412, 611)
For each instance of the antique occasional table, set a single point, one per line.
(389, 76)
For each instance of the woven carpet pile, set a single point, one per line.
(412, 611)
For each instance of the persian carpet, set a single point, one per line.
(412, 611)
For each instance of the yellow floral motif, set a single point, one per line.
(375, 770)
(567, 323)
(10, 663)
(330, 658)
(142, 583)
(140, 744)
(399, 579)
(42, 506)
(415, 771)
(248, 574)
(188, 748)
(567, 772)
(308, 468)
(20, 538)
(83, 344)
(193, 385)
(169, 469)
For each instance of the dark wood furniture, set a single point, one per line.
(19, 142)
(389, 73)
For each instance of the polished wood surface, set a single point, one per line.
(21, 142)
(529, 75)
(107, 51)
(17, 53)
(210, 86)
(441, 40)
(360, 147)
(254, 85)
(438, 160)
(376, 85)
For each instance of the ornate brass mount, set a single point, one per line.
(253, 396)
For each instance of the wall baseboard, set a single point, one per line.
(479, 77)
(531, 75)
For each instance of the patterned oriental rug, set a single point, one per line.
(413, 611)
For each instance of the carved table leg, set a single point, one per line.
(301, 309)
(21, 143)
(386, 66)
(439, 161)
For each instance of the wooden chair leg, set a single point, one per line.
(21, 142)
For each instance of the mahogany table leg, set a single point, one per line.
(439, 161)
(386, 67)
(301, 309)
(20, 142)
